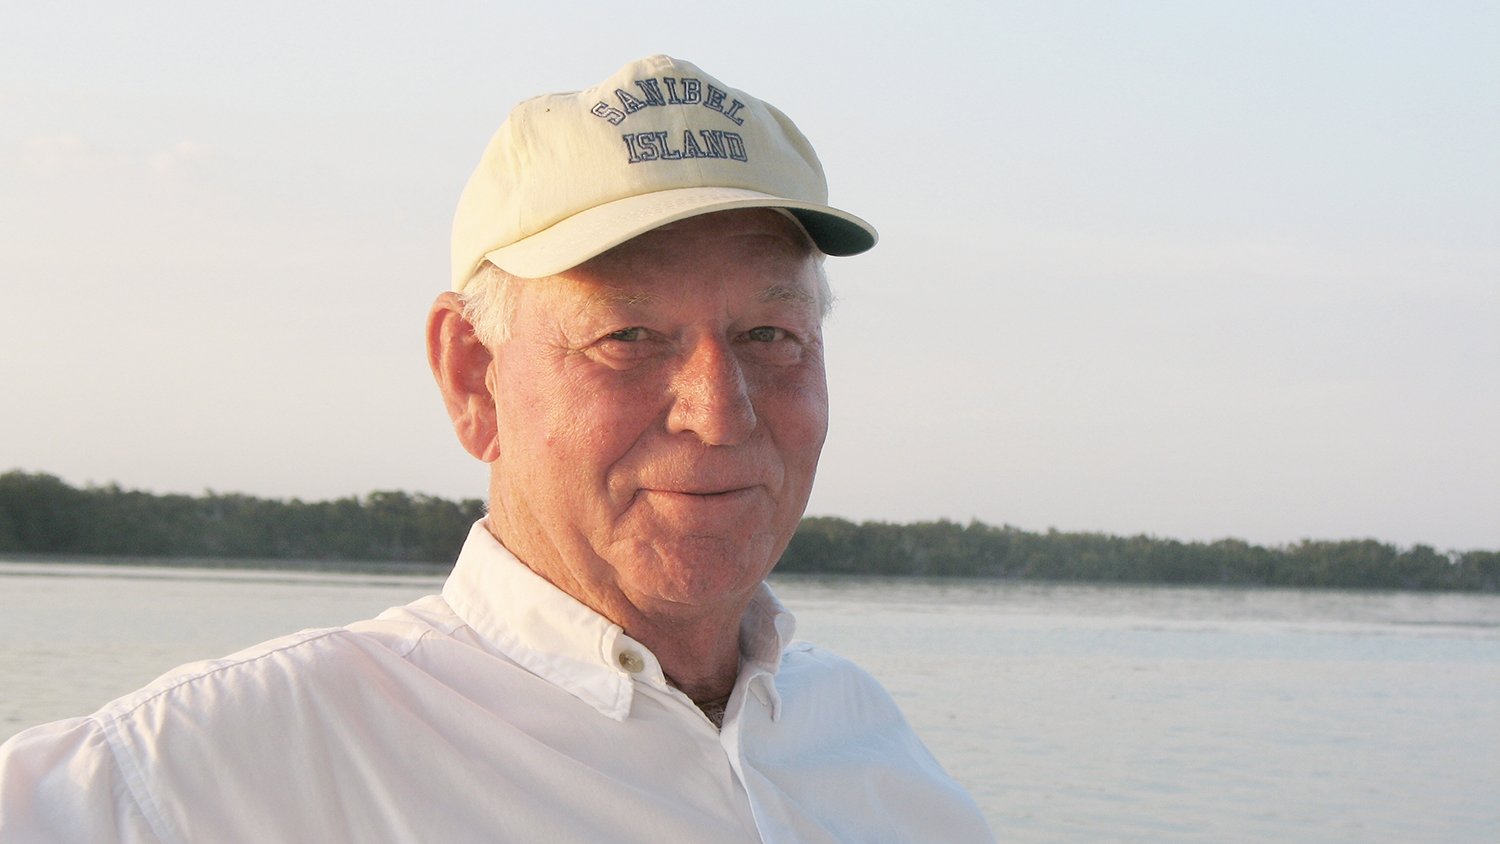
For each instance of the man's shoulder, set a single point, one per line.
(841, 733)
(804, 662)
(814, 682)
(286, 670)
(80, 777)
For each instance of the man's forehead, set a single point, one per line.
(627, 296)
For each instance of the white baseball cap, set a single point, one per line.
(568, 176)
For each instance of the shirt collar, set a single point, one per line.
(765, 631)
(558, 638)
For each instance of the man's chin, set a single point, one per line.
(704, 571)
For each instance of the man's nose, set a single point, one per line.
(710, 397)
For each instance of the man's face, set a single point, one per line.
(660, 410)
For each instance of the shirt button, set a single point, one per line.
(632, 662)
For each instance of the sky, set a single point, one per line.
(1196, 270)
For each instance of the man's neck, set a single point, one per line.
(698, 647)
(702, 662)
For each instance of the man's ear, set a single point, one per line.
(460, 363)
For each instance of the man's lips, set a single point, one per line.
(705, 500)
(701, 493)
(710, 511)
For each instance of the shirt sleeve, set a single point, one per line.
(60, 783)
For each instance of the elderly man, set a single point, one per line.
(633, 344)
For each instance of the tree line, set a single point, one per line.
(40, 514)
(948, 549)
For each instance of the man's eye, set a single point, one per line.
(765, 334)
(626, 335)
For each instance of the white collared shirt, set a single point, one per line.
(502, 710)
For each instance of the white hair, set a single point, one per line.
(490, 303)
(490, 297)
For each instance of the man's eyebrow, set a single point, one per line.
(613, 297)
(784, 294)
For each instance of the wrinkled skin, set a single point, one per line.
(653, 427)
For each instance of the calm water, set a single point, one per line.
(1072, 713)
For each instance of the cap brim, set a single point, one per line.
(572, 241)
